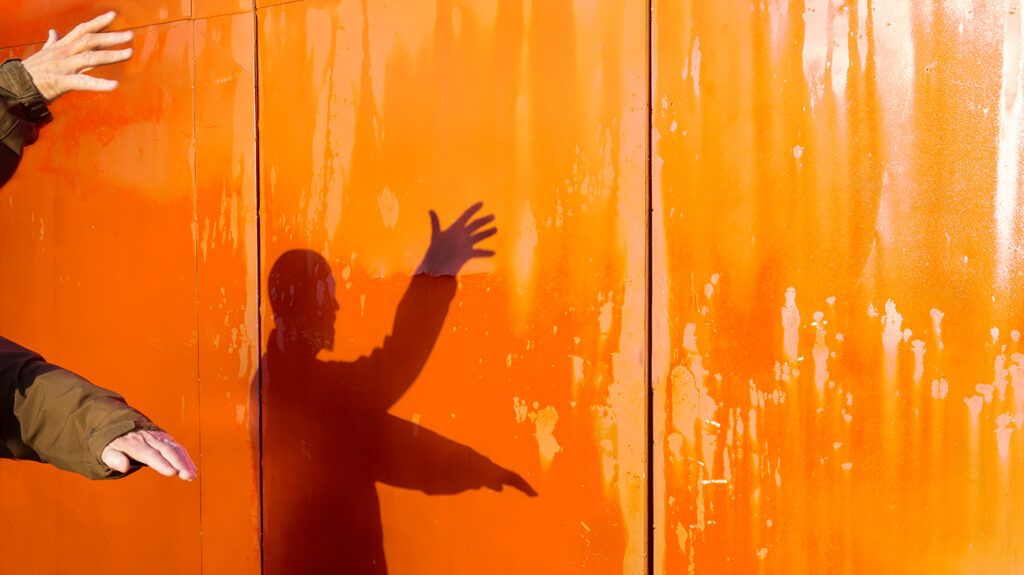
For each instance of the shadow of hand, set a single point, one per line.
(451, 248)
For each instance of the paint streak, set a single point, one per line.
(1011, 116)
(790, 326)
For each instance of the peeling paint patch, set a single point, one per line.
(544, 421)
(520, 408)
(387, 203)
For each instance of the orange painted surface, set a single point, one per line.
(28, 22)
(98, 264)
(227, 288)
(371, 114)
(128, 255)
(207, 8)
(837, 362)
(837, 359)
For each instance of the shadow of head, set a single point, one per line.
(303, 301)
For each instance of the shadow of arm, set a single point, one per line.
(414, 457)
(382, 377)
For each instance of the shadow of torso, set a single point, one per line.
(327, 439)
(321, 512)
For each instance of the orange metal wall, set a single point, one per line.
(374, 112)
(129, 255)
(837, 358)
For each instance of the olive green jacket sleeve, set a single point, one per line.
(16, 129)
(47, 413)
(51, 415)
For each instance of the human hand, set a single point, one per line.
(60, 66)
(450, 249)
(155, 449)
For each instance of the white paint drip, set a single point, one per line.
(790, 326)
(1004, 428)
(917, 347)
(695, 60)
(1011, 114)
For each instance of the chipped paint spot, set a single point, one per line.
(682, 536)
(544, 421)
(520, 408)
(387, 203)
(820, 352)
(577, 374)
(974, 404)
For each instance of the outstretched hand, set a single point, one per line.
(155, 449)
(60, 66)
(451, 248)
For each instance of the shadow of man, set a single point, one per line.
(327, 434)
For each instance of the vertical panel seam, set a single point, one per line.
(195, 247)
(649, 191)
(259, 275)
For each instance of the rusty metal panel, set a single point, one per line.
(227, 286)
(373, 113)
(98, 273)
(837, 286)
(129, 255)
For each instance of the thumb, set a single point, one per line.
(435, 224)
(114, 459)
(51, 38)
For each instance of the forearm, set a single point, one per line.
(52, 415)
(68, 421)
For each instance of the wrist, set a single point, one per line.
(24, 97)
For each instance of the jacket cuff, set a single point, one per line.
(101, 438)
(23, 109)
(19, 91)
